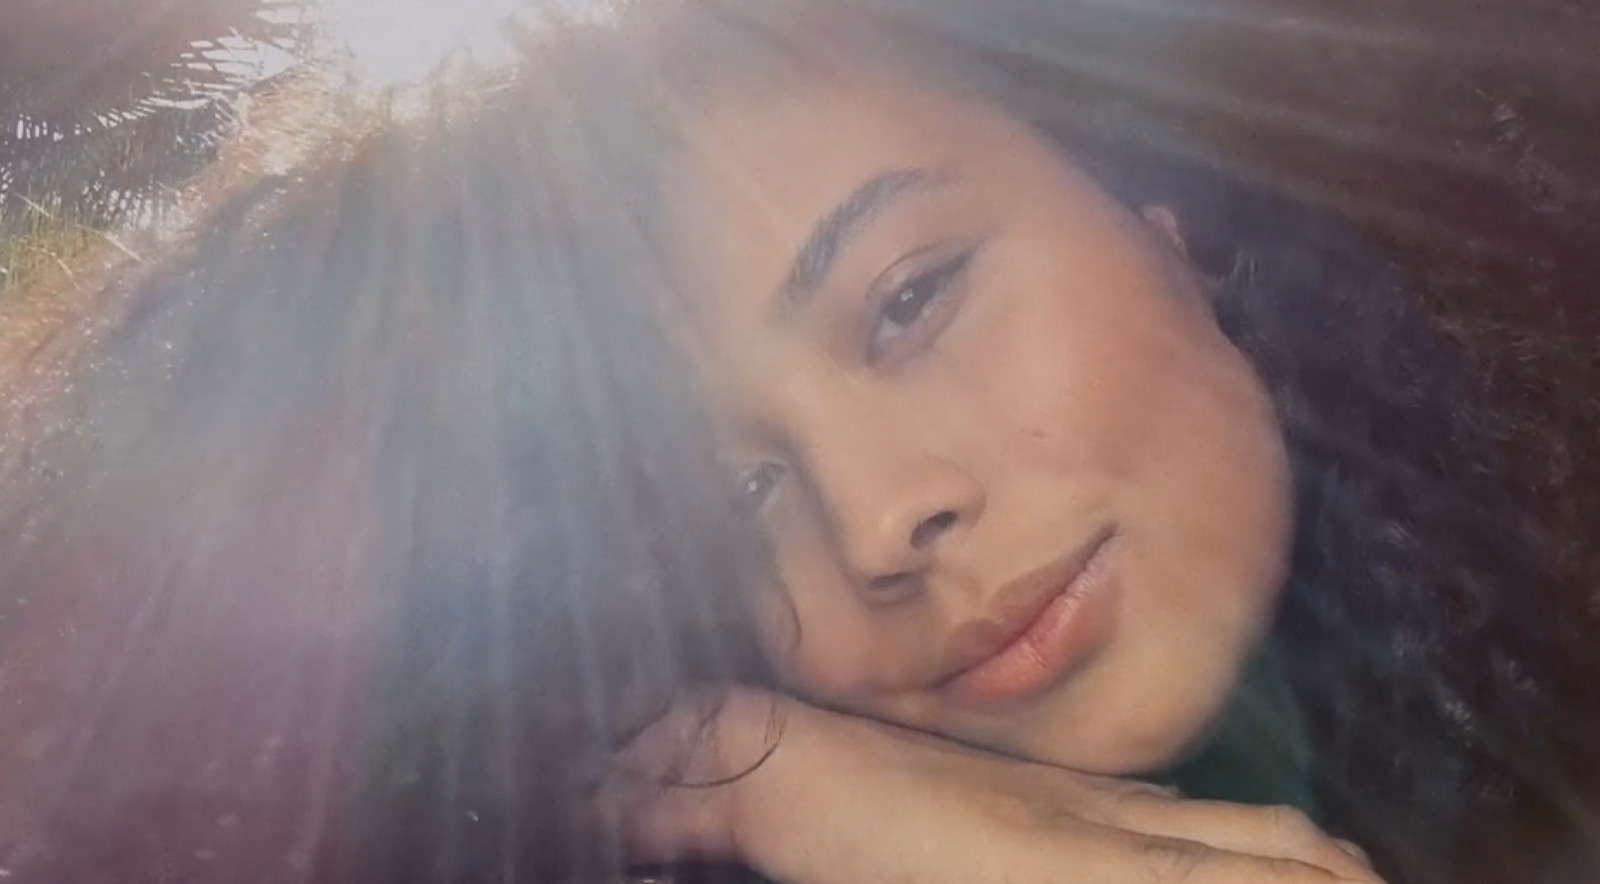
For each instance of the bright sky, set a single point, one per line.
(399, 43)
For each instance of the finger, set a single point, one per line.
(1168, 863)
(1163, 860)
(1354, 850)
(1267, 832)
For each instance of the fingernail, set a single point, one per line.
(1355, 851)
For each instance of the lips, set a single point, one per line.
(1047, 622)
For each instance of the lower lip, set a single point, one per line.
(1066, 633)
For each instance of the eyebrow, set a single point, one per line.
(833, 232)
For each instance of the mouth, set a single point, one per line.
(1048, 623)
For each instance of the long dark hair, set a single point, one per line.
(390, 473)
(348, 500)
(1434, 639)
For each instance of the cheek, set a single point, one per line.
(1226, 488)
(1117, 389)
(820, 643)
(1072, 365)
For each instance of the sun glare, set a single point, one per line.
(394, 44)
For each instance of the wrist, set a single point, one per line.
(696, 784)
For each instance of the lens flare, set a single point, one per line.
(394, 44)
(400, 43)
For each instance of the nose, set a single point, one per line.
(892, 500)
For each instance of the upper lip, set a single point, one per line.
(1017, 607)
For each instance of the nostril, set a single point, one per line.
(897, 586)
(892, 588)
(930, 528)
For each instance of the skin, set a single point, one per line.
(998, 364)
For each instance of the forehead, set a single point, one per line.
(758, 171)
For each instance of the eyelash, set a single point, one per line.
(933, 284)
(757, 484)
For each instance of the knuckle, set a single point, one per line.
(1022, 811)
(1100, 786)
(1291, 824)
(1174, 861)
(1288, 871)
(1137, 789)
(1112, 801)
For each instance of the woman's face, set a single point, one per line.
(1021, 489)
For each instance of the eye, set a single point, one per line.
(757, 484)
(910, 303)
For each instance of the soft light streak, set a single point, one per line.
(391, 45)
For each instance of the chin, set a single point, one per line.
(1139, 754)
(1142, 741)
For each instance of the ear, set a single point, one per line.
(1165, 222)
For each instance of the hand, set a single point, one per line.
(843, 800)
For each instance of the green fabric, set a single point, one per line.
(1259, 751)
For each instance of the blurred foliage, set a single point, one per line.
(108, 106)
